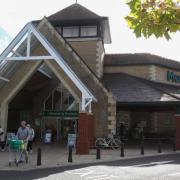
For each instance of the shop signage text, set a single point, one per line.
(171, 76)
(71, 114)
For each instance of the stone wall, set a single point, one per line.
(161, 75)
(139, 71)
(78, 65)
(150, 72)
(92, 52)
(111, 114)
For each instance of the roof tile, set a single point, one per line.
(130, 89)
(74, 12)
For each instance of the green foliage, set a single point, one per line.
(154, 17)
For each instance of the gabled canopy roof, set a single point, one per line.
(25, 42)
(74, 12)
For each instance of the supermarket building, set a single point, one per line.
(55, 72)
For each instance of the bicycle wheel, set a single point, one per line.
(99, 142)
(115, 144)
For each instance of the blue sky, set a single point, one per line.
(15, 14)
(4, 39)
(2, 32)
(4, 35)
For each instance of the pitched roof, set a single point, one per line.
(130, 89)
(74, 12)
(77, 13)
(139, 59)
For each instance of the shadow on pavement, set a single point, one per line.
(137, 162)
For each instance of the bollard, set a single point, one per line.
(159, 146)
(70, 154)
(122, 149)
(174, 145)
(98, 153)
(142, 146)
(39, 157)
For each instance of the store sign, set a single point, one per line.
(171, 76)
(71, 114)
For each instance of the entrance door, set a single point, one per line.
(60, 128)
(50, 124)
(67, 126)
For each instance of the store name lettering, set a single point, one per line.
(171, 76)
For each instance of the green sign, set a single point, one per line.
(171, 76)
(70, 114)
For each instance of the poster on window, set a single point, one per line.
(72, 140)
(48, 137)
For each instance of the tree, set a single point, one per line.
(154, 17)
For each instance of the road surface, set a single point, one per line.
(164, 167)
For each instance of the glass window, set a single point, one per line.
(88, 31)
(71, 31)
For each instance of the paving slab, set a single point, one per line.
(55, 155)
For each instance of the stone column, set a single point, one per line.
(4, 116)
(85, 133)
(177, 123)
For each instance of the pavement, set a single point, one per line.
(160, 167)
(55, 155)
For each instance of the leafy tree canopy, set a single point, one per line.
(154, 17)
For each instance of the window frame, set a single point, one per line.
(61, 28)
(83, 26)
(69, 28)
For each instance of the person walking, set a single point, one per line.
(2, 138)
(31, 138)
(23, 134)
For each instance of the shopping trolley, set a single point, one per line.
(16, 149)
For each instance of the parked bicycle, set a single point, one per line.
(111, 142)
